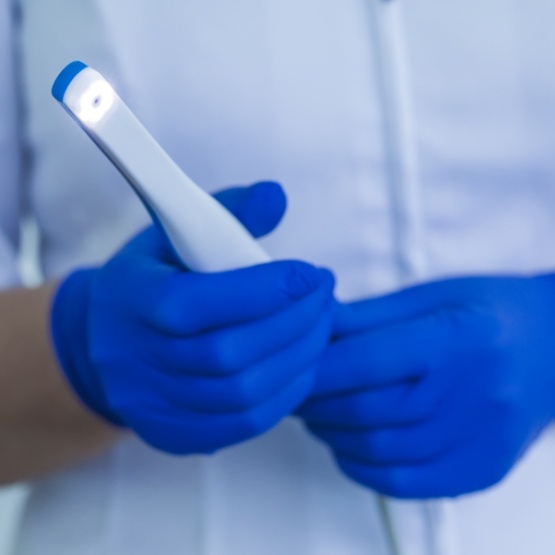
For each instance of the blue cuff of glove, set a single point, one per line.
(69, 334)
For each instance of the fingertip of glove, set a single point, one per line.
(272, 191)
(328, 278)
(264, 207)
(302, 279)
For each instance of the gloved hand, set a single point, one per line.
(194, 362)
(438, 390)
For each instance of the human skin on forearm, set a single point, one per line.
(44, 427)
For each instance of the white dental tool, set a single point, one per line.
(205, 236)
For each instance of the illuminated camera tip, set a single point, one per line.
(95, 102)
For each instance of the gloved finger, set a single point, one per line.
(414, 443)
(185, 432)
(184, 304)
(259, 207)
(457, 472)
(254, 386)
(382, 356)
(410, 303)
(232, 349)
(401, 403)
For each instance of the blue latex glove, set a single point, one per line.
(438, 390)
(194, 362)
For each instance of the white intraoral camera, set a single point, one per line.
(205, 236)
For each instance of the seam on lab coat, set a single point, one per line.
(398, 136)
(10, 151)
(403, 180)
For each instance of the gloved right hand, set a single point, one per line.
(194, 362)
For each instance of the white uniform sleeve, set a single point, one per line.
(10, 149)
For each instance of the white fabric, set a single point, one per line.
(11, 204)
(414, 139)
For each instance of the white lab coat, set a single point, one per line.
(415, 139)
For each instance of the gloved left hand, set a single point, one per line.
(194, 362)
(438, 390)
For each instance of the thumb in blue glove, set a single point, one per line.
(438, 390)
(194, 362)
